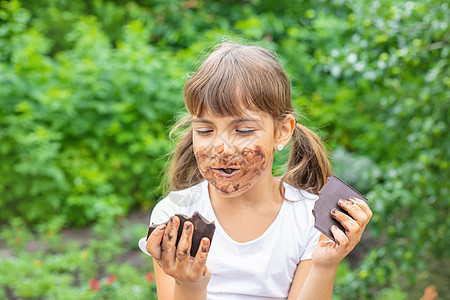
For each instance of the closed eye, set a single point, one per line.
(245, 132)
(203, 132)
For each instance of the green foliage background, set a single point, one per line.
(89, 89)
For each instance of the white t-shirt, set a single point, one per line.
(261, 268)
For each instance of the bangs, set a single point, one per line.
(237, 78)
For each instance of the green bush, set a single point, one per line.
(82, 131)
(379, 84)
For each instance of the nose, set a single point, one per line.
(224, 147)
(219, 148)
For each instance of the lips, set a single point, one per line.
(226, 172)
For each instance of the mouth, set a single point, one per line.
(226, 172)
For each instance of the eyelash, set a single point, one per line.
(243, 132)
(203, 132)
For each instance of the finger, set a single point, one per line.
(154, 242)
(184, 245)
(364, 206)
(169, 240)
(355, 211)
(347, 222)
(339, 236)
(199, 264)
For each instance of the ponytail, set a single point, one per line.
(308, 167)
(181, 171)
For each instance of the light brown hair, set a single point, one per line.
(233, 78)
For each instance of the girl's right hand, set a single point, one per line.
(188, 272)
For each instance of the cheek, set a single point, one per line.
(264, 143)
(198, 144)
(257, 159)
(201, 153)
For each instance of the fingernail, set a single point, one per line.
(333, 211)
(162, 226)
(187, 226)
(205, 242)
(172, 219)
(205, 245)
(341, 201)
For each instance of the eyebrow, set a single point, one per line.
(240, 120)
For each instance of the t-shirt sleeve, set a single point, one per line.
(160, 214)
(311, 245)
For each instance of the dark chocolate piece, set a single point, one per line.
(329, 195)
(202, 228)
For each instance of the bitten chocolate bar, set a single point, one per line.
(329, 195)
(202, 228)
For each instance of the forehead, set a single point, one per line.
(260, 118)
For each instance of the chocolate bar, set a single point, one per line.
(202, 228)
(329, 195)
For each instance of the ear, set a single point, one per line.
(285, 130)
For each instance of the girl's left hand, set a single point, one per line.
(328, 254)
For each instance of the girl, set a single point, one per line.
(265, 245)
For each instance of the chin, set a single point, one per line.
(231, 189)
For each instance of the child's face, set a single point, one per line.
(233, 153)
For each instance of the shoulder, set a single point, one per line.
(299, 197)
(182, 201)
(301, 205)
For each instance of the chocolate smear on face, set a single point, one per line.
(248, 165)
